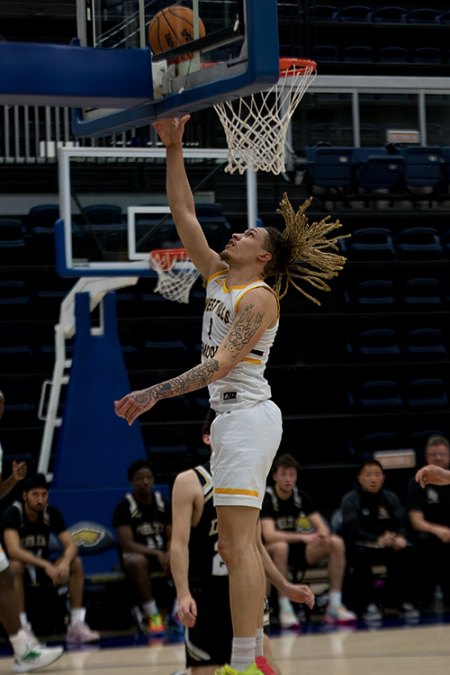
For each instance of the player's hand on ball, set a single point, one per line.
(134, 404)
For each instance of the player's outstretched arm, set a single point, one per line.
(433, 475)
(181, 200)
(256, 313)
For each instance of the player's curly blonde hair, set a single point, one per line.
(302, 252)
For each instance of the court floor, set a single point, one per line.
(387, 651)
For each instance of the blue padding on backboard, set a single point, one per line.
(61, 75)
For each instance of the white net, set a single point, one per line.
(256, 126)
(176, 274)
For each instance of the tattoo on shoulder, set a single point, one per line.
(244, 329)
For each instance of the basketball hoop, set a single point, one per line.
(176, 273)
(256, 126)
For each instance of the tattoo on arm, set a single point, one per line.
(193, 379)
(243, 331)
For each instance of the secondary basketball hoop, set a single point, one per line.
(176, 273)
(256, 126)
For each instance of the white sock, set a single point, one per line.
(77, 615)
(260, 642)
(242, 653)
(335, 599)
(19, 642)
(23, 620)
(150, 607)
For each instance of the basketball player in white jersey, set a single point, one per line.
(239, 326)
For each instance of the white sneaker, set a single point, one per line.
(372, 613)
(409, 612)
(288, 618)
(32, 639)
(80, 632)
(36, 658)
(339, 615)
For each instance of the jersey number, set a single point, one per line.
(219, 569)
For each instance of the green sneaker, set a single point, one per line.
(228, 670)
(36, 658)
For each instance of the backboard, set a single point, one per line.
(237, 53)
(110, 217)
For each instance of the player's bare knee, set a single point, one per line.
(337, 544)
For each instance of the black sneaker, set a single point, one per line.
(409, 612)
(372, 613)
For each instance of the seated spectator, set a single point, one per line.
(429, 516)
(296, 536)
(29, 655)
(142, 521)
(26, 528)
(374, 529)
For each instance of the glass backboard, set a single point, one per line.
(199, 52)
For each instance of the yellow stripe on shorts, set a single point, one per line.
(236, 491)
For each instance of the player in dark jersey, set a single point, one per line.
(201, 576)
(142, 522)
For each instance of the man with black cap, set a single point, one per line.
(29, 655)
(26, 528)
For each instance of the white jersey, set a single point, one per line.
(245, 384)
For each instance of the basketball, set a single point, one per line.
(172, 27)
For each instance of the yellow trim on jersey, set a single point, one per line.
(236, 491)
(256, 362)
(252, 287)
(216, 274)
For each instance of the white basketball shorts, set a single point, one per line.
(244, 443)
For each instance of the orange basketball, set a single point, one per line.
(172, 27)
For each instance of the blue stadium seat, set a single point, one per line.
(379, 344)
(422, 291)
(443, 17)
(332, 168)
(424, 166)
(322, 12)
(358, 13)
(427, 55)
(42, 215)
(325, 53)
(13, 243)
(426, 394)
(422, 15)
(358, 53)
(377, 395)
(369, 243)
(102, 214)
(425, 343)
(393, 54)
(445, 243)
(378, 172)
(372, 293)
(389, 14)
(418, 243)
